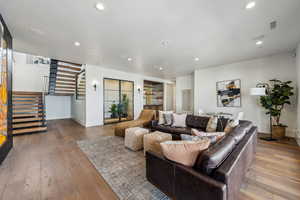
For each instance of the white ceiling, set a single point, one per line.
(216, 31)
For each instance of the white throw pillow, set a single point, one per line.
(161, 119)
(179, 120)
(212, 124)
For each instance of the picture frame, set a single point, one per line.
(229, 93)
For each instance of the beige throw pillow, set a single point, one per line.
(161, 118)
(179, 120)
(184, 152)
(212, 124)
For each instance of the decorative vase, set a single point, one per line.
(278, 131)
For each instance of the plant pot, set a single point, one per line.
(278, 131)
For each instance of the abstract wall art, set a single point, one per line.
(229, 93)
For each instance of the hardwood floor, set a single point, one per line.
(50, 166)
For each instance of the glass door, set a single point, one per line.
(118, 100)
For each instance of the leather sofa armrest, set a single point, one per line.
(160, 172)
(192, 185)
(234, 168)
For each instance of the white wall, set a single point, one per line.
(28, 77)
(58, 107)
(94, 99)
(298, 92)
(282, 66)
(183, 83)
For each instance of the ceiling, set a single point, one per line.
(215, 31)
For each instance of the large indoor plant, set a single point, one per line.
(277, 96)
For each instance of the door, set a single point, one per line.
(118, 100)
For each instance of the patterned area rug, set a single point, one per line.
(123, 169)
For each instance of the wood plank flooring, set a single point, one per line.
(49, 165)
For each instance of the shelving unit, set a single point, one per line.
(153, 95)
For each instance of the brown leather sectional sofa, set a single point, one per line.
(192, 121)
(217, 174)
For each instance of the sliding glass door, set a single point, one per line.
(118, 100)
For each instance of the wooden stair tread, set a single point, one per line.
(27, 102)
(27, 114)
(66, 72)
(62, 94)
(26, 93)
(65, 90)
(27, 119)
(70, 67)
(66, 80)
(29, 124)
(26, 106)
(67, 62)
(29, 130)
(67, 87)
(68, 84)
(27, 110)
(65, 76)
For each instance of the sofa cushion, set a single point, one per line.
(241, 130)
(184, 152)
(164, 128)
(214, 156)
(186, 130)
(198, 122)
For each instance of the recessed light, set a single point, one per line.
(161, 68)
(99, 6)
(77, 44)
(250, 5)
(129, 59)
(196, 59)
(259, 42)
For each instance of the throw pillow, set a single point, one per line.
(161, 119)
(212, 124)
(184, 152)
(219, 135)
(168, 119)
(231, 125)
(179, 120)
(213, 139)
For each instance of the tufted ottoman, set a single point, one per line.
(152, 141)
(134, 138)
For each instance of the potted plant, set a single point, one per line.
(278, 95)
(113, 111)
(125, 102)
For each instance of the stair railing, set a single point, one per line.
(78, 78)
(45, 80)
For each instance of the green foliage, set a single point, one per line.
(278, 96)
(114, 110)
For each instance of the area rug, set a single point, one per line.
(123, 169)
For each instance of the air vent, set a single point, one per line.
(273, 25)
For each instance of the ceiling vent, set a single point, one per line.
(273, 25)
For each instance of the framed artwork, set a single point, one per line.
(229, 93)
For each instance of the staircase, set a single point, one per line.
(62, 79)
(28, 112)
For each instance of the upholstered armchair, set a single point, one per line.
(144, 120)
